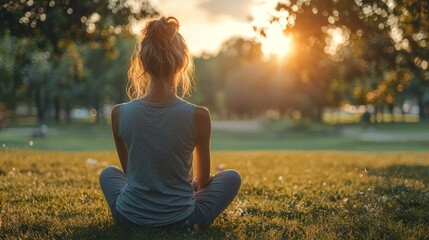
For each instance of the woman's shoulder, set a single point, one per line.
(115, 110)
(202, 117)
(118, 108)
(201, 111)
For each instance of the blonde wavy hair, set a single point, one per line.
(161, 56)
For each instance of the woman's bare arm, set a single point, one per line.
(120, 147)
(202, 146)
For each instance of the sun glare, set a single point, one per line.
(338, 38)
(276, 43)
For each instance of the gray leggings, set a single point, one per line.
(210, 201)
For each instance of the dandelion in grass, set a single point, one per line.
(220, 167)
(239, 209)
(91, 162)
(370, 208)
(364, 173)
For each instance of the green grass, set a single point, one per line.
(275, 136)
(77, 137)
(304, 141)
(284, 195)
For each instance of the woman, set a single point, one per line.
(156, 135)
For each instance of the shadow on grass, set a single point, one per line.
(416, 172)
(106, 231)
(403, 200)
(109, 231)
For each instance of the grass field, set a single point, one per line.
(274, 136)
(284, 195)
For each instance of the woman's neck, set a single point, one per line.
(160, 95)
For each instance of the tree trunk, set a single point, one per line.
(68, 108)
(57, 106)
(97, 113)
(318, 117)
(41, 105)
(390, 106)
(11, 112)
(422, 113)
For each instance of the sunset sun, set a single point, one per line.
(276, 43)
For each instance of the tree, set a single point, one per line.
(14, 60)
(374, 41)
(59, 26)
(214, 74)
(59, 22)
(105, 81)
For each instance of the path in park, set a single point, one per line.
(239, 125)
(373, 135)
(370, 134)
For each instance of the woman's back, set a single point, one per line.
(155, 136)
(160, 138)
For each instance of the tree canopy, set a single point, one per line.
(379, 46)
(57, 22)
(53, 37)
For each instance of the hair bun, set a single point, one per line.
(162, 30)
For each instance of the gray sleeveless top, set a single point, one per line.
(160, 139)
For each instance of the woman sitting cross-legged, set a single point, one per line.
(156, 136)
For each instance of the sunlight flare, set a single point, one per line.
(276, 43)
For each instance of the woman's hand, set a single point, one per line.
(196, 185)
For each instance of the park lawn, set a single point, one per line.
(277, 136)
(284, 195)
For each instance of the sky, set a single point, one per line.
(206, 24)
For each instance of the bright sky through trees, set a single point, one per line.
(207, 24)
(276, 43)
